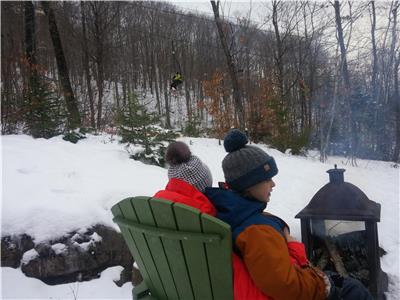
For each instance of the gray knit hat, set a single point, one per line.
(187, 167)
(245, 166)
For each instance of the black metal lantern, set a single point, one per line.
(340, 233)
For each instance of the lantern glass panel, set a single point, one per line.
(332, 228)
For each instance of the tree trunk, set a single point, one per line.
(231, 68)
(279, 52)
(74, 119)
(86, 67)
(100, 72)
(346, 81)
(143, 60)
(396, 100)
(374, 52)
(325, 143)
(201, 98)
(161, 87)
(30, 47)
(186, 86)
(6, 93)
(167, 111)
(117, 93)
(394, 66)
(343, 51)
(149, 71)
(154, 69)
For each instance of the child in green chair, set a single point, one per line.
(277, 263)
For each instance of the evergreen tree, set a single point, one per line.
(193, 127)
(139, 128)
(43, 112)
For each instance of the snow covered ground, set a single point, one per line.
(17, 286)
(51, 187)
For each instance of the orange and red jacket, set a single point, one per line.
(182, 192)
(279, 269)
(244, 288)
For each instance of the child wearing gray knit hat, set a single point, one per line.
(276, 262)
(245, 166)
(187, 167)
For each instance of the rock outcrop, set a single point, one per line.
(12, 249)
(76, 257)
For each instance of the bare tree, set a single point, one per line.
(396, 95)
(30, 43)
(85, 59)
(374, 50)
(102, 15)
(346, 80)
(279, 50)
(231, 67)
(396, 100)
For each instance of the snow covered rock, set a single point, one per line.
(82, 255)
(28, 256)
(12, 249)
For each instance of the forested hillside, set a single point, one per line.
(305, 78)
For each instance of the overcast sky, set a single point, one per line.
(230, 9)
(259, 10)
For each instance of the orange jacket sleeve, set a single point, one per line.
(266, 256)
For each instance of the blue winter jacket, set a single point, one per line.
(241, 212)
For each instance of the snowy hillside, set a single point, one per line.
(51, 187)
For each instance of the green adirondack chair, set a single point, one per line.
(181, 253)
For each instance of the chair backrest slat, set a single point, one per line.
(145, 216)
(219, 262)
(138, 247)
(188, 218)
(165, 218)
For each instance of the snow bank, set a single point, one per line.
(17, 286)
(52, 187)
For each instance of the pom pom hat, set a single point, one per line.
(187, 167)
(177, 153)
(245, 166)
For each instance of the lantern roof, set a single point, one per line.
(340, 200)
